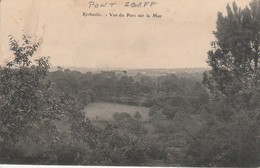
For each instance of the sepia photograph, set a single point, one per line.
(160, 83)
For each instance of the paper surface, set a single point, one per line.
(111, 34)
(115, 34)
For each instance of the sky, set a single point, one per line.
(178, 39)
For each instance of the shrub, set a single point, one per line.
(225, 144)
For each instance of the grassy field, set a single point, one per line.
(102, 111)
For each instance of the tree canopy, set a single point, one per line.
(26, 97)
(230, 130)
(234, 56)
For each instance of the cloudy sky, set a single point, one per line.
(181, 38)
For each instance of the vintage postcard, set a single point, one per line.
(130, 82)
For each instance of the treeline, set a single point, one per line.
(110, 84)
(138, 90)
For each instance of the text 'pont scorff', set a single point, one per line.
(129, 4)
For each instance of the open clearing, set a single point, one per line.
(102, 111)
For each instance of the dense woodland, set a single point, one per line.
(209, 119)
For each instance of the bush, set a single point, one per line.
(170, 111)
(225, 144)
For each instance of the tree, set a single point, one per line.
(137, 115)
(59, 68)
(230, 129)
(27, 98)
(170, 111)
(169, 84)
(234, 57)
(225, 144)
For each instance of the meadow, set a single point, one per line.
(103, 111)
